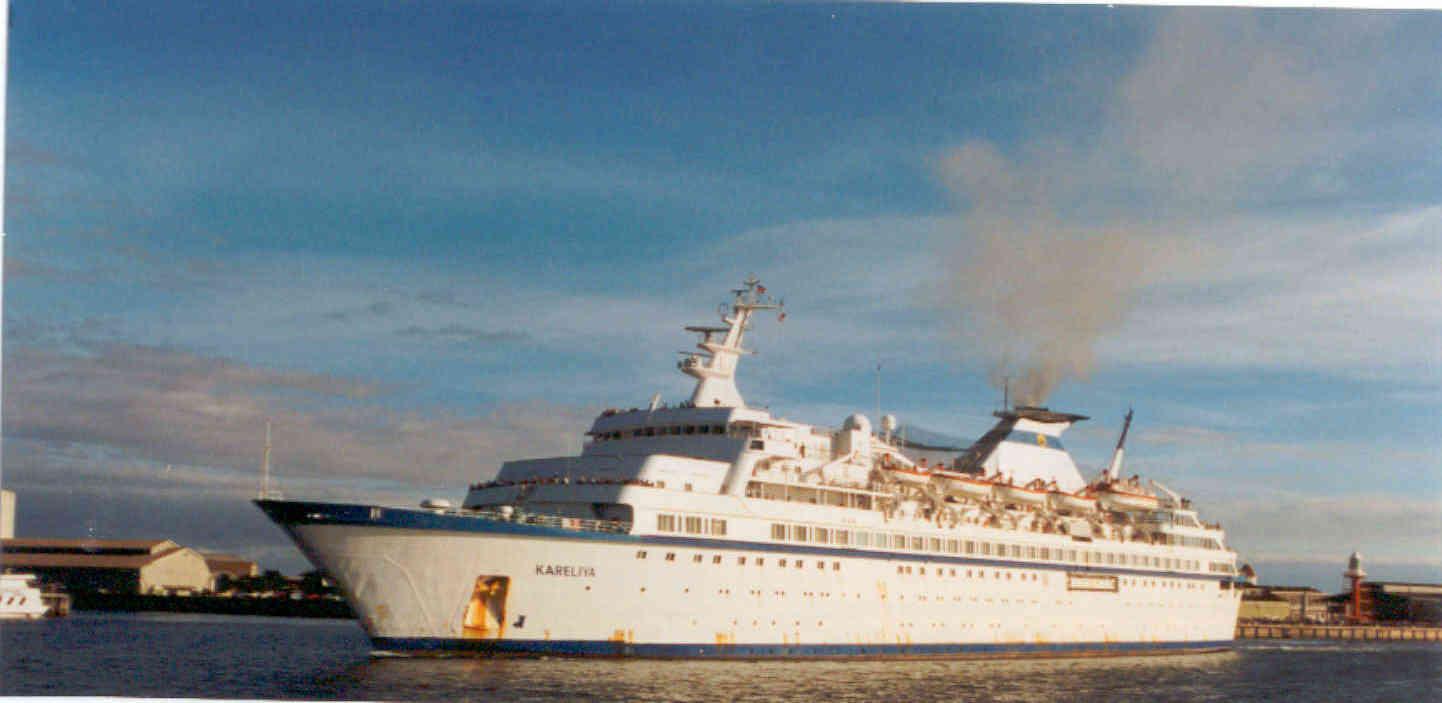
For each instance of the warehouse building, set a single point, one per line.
(7, 514)
(226, 569)
(115, 566)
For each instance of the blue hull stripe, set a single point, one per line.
(291, 513)
(602, 648)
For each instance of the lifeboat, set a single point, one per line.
(1071, 502)
(1127, 499)
(1019, 495)
(964, 486)
(902, 473)
(908, 475)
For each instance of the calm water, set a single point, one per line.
(236, 657)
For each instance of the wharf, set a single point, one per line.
(1338, 632)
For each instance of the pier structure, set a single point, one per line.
(1339, 632)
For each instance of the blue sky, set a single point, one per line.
(426, 238)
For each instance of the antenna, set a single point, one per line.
(265, 465)
(4, 72)
(1005, 393)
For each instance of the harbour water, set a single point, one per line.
(169, 655)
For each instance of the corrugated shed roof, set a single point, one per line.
(84, 561)
(149, 545)
(228, 563)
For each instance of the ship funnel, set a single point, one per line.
(1114, 469)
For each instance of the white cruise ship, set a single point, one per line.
(713, 529)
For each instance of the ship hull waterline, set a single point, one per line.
(428, 583)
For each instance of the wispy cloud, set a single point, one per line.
(167, 406)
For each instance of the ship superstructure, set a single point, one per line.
(710, 528)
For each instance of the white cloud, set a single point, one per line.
(167, 406)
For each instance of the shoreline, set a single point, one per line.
(1361, 633)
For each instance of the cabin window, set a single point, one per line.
(650, 432)
(778, 531)
(823, 535)
(970, 547)
(695, 558)
(641, 554)
(666, 523)
(718, 527)
(821, 565)
(781, 563)
(716, 559)
(670, 556)
(693, 525)
(799, 533)
(863, 539)
(690, 429)
(741, 561)
(758, 444)
(986, 548)
(836, 566)
(841, 537)
(953, 546)
(934, 544)
(898, 541)
(1031, 552)
(800, 563)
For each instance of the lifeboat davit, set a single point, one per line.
(1126, 499)
(964, 486)
(1021, 495)
(1062, 501)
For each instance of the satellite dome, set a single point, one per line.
(857, 421)
(888, 423)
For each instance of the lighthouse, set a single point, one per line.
(1355, 574)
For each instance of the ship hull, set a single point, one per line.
(435, 583)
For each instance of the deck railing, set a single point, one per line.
(522, 518)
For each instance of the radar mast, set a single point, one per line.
(714, 366)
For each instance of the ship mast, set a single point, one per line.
(714, 367)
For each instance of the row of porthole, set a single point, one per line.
(718, 559)
(967, 573)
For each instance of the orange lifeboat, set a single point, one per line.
(1030, 495)
(964, 485)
